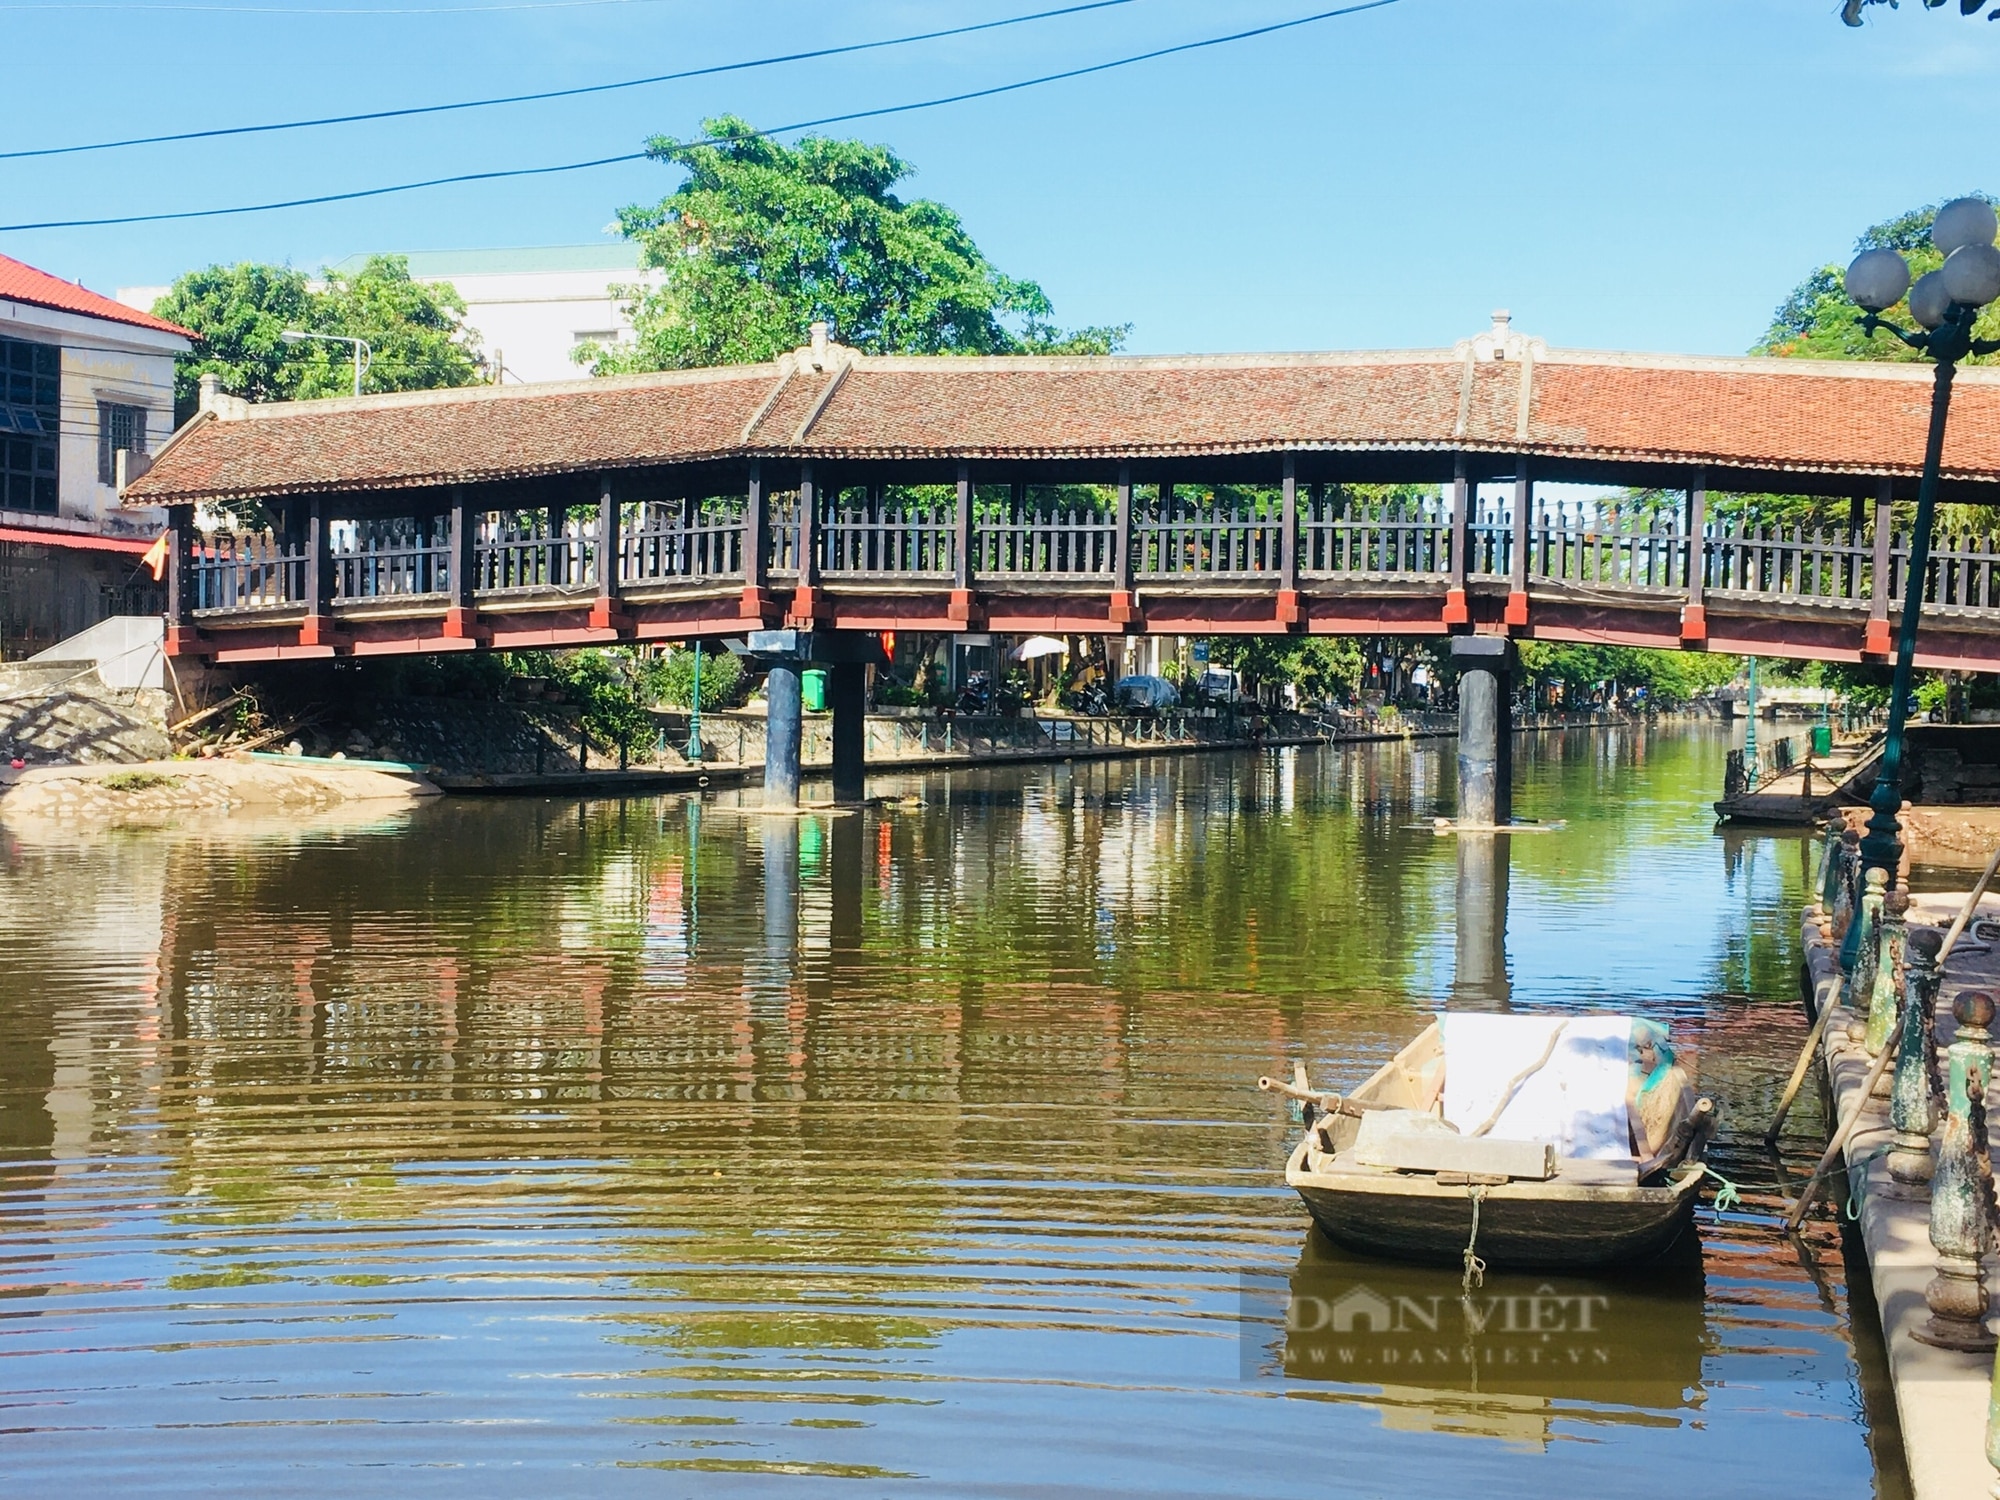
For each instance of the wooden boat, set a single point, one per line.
(1589, 1213)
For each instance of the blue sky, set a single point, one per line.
(1639, 174)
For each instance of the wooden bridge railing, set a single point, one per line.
(1349, 538)
(883, 538)
(684, 540)
(1179, 536)
(1174, 538)
(1043, 539)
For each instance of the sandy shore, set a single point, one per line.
(152, 793)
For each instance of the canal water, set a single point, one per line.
(656, 1148)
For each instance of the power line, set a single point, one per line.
(571, 93)
(606, 161)
(326, 10)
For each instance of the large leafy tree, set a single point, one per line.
(417, 332)
(1817, 320)
(762, 240)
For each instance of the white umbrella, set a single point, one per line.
(1036, 646)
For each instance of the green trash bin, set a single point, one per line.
(812, 690)
(1822, 739)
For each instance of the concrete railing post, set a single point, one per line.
(1913, 1095)
(1857, 985)
(1883, 991)
(1962, 1189)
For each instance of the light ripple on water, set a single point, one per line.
(533, 1137)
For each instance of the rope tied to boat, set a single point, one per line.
(1728, 1195)
(1475, 1268)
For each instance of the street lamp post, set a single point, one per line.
(1944, 303)
(694, 750)
(363, 355)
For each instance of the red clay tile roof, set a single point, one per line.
(1752, 416)
(23, 283)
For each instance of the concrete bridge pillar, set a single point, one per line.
(847, 655)
(847, 694)
(783, 732)
(1485, 729)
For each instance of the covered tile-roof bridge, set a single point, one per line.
(861, 493)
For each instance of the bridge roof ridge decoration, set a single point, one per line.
(1500, 393)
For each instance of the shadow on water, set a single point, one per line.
(918, 1147)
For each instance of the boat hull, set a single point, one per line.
(1529, 1226)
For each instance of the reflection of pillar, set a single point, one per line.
(846, 872)
(783, 731)
(1479, 979)
(1485, 729)
(847, 688)
(781, 898)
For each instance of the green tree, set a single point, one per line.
(1324, 667)
(417, 332)
(762, 240)
(1817, 321)
(1670, 678)
(670, 679)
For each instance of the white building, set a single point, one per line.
(81, 376)
(529, 308)
(532, 307)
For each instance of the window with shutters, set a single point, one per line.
(30, 405)
(117, 427)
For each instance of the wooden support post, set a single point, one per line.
(181, 637)
(605, 613)
(556, 558)
(461, 614)
(1850, 573)
(1875, 639)
(317, 627)
(1290, 615)
(1457, 611)
(1694, 614)
(1124, 601)
(757, 604)
(805, 598)
(1517, 552)
(960, 608)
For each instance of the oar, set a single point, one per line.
(1839, 1142)
(1799, 1068)
(1333, 1104)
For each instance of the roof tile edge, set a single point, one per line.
(446, 395)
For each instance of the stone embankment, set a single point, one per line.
(63, 712)
(1941, 1394)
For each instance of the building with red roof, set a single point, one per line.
(82, 379)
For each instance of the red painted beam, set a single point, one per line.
(1733, 629)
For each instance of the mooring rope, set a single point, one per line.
(1475, 1268)
(1728, 1195)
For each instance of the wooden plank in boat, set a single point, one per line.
(1439, 1151)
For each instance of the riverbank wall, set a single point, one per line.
(1941, 1395)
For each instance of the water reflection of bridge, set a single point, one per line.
(1194, 495)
